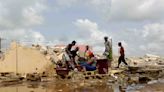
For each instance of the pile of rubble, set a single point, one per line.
(22, 59)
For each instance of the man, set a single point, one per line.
(108, 48)
(90, 63)
(69, 47)
(122, 55)
(88, 53)
(68, 55)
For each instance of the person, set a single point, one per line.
(90, 64)
(88, 53)
(69, 48)
(122, 55)
(108, 48)
(67, 56)
(74, 53)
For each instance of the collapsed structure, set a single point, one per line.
(22, 59)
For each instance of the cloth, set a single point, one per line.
(92, 61)
(108, 50)
(89, 54)
(66, 57)
(88, 67)
(107, 46)
(67, 61)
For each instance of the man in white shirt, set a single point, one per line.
(108, 48)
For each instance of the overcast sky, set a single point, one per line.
(138, 24)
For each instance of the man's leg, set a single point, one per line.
(123, 60)
(119, 62)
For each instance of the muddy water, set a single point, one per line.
(59, 86)
(77, 86)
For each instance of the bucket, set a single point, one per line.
(102, 65)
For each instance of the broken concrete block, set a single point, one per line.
(116, 72)
(111, 81)
(134, 79)
(33, 77)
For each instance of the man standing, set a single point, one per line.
(108, 48)
(122, 55)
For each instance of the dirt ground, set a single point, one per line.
(157, 87)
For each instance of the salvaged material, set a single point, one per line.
(62, 71)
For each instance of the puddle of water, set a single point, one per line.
(59, 86)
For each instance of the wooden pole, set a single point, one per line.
(112, 48)
(0, 44)
(16, 58)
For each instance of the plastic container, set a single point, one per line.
(102, 65)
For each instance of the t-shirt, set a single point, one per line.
(89, 54)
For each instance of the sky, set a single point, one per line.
(138, 24)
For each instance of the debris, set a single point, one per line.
(144, 79)
(62, 71)
(152, 82)
(33, 77)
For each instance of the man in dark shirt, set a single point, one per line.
(122, 55)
